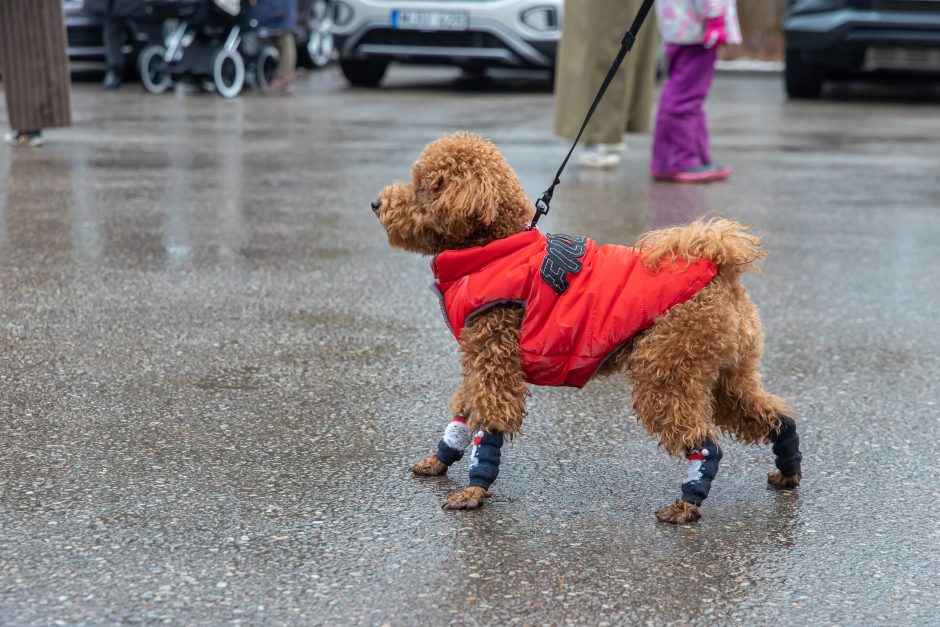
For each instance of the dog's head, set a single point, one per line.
(462, 193)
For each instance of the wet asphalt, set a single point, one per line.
(215, 373)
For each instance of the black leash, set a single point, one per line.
(541, 205)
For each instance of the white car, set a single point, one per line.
(472, 34)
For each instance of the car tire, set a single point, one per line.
(802, 79)
(363, 73)
(317, 49)
(152, 67)
(228, 73)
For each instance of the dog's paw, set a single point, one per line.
(468, 498)
(430, 466)
(679, 513)
(778, 480)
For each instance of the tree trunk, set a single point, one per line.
(762, 28)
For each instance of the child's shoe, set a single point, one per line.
(720, 171)
(699, 174)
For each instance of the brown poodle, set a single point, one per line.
(690, 343)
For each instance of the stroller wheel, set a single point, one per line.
(153, 69)
(228, 72)
(265, 67)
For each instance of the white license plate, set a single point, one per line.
(429, 20)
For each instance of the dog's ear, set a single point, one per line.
(467, 197)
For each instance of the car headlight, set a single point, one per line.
(342, 13)
(542, 19)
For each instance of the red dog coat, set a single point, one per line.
(582, 301)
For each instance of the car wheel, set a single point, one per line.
(228, 72)
(152, 65)
(318, 22)
(364, 73)
(803, 80)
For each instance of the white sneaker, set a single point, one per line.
(22, 138)
(598, 156)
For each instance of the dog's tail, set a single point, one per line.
(729, 244)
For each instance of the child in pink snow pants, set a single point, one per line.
(693, 30)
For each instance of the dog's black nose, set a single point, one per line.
(375, 205)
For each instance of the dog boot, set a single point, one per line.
(484, 462)
(703, 466)
(455, 440)
(787, 456)
(484, 468)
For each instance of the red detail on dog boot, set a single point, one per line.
(460, 418)
(695, 455)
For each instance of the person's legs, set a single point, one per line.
(704, 63)
(282, 84)
(113, 31)
(680, 126)
(288, 61)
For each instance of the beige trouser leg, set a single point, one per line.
(288, 58)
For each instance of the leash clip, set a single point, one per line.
(541, 206)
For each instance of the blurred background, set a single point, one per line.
(215, 373)
(813, 40)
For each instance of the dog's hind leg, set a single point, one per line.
(750, 413)
(674, 367)
(494, 391)
(703, 466)
(675, 404)
(753, 415)
(787, 456)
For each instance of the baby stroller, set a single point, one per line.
(209, 41)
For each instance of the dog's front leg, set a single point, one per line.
(494, 389)
(455, 440)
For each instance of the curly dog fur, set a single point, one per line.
(694, 372)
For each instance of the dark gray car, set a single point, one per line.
(831, 39)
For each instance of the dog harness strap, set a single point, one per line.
(703, 466)
(456, 438)
(484, 463)
(786, 447)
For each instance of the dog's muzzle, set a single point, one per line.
(376, 205)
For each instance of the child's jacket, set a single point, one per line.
(683, 21)
(582, 301)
